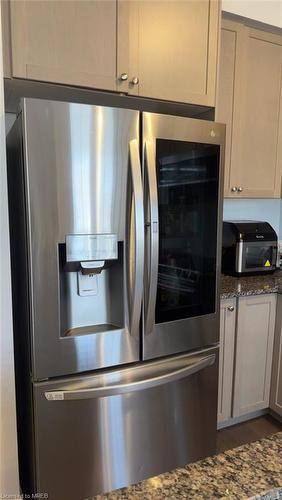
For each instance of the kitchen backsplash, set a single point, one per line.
(269, 210)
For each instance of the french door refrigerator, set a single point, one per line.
(115, 229)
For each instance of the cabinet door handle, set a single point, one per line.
(230, 308)
(240, 189)
(234, 189)
(135, 80)
(123, 77)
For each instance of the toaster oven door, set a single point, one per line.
(256, 256)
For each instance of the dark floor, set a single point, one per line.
(247, 432)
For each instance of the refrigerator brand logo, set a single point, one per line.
(259, 236)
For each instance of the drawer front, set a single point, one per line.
(91, 445)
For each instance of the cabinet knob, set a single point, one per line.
(240, 189)
(234, 189)
(230, 308)
(123, 77)
(135, 80)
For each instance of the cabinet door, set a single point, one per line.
(276, 379)
(170, 47)
(227, 109)
(226, 358)
(71, 42)
(257, 170)
(249, 101)
(255, 333)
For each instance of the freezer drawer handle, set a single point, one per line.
(153, 230)
(112, 390)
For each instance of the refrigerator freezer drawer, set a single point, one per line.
(97, 433)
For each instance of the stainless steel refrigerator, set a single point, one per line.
(115, 229)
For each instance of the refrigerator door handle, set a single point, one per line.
(152, 227)
(147, 383)
(136, 255)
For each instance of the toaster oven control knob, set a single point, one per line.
(123, 77)
(240, 189)
(234, 189)
(230, 308)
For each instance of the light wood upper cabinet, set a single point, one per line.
(259, 158)
(163, 50)
(170, 48)
(250, 103)
(226, 358)
(228, 81)
(70, 42)
(254, 347)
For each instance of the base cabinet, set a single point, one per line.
(276, 379)
(226, 358)
(254, 346)
(245, 364)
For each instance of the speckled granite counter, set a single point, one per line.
(250, 285)
(248, 471)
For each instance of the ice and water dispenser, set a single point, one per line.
(91, 284)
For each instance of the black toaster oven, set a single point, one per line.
(248, 247)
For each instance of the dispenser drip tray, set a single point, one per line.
(91, 329)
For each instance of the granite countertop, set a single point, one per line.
(250, 285)
(252, 471)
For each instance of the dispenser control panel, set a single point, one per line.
(89, 247)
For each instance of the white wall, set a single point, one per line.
(255, 209)
(9, 121)
(9, 483)
(265, 11)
